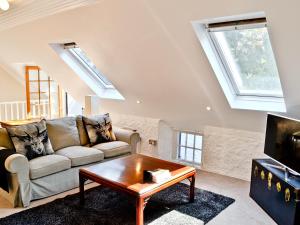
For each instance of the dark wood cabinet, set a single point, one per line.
(280, 198)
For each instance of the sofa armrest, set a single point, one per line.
(17, 163)
(19, 183)
(128, 136)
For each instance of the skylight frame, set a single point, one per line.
(257, 103)
(228, 71)
(84, 61)
(82, 71)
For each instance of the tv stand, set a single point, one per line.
(277, 190)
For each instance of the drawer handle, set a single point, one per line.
(270, 176)
(262, 175)
(278, 187)
(287, 195)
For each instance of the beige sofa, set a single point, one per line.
(52, 174)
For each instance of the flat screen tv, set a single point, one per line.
(282, 141)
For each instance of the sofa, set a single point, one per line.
(52, 174)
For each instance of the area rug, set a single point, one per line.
(106, 207)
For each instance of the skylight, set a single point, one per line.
(241, 55)
(83, 66)
(85, 61)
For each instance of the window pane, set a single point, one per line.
(189, 154)
(198, 142)
(33, 75)
(182, 153)
(44, 86)
(198, 155)
(190, 140)
(43, 75)
(182, 138)
(249, 56)
(81, 54)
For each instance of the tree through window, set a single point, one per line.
(247, 55)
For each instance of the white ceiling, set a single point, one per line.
(24, 11)
(150, 52)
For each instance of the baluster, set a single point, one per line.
(18, 111)
(39, 109)
(5, 111)
(44, 109)
(11, 111)
(23, 110)
(33, 110)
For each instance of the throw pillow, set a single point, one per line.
(99, 129)
(31, 140)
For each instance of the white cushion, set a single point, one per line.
(113, 148)
(46, 165)
(80, 155)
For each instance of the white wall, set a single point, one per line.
(149, 51)
(230, 151)
(166, 141)
(147, 128)
(11, 89)
(225, 151)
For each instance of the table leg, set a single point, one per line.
(140, 204)
(192, 188)
(81, 188)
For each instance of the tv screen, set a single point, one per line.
(282, 141)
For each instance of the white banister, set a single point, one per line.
(23, 109)
(16, 110)
(5, 111)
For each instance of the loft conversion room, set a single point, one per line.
(130, 112)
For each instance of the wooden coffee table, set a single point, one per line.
(126, 175)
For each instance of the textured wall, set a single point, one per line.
(225, 151)
(147, 127)
(230, 152)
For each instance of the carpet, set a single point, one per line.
(106, 207)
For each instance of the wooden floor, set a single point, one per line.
(243, 212)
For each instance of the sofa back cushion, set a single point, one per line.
(5, 140)
(83, 136)
(63, 132)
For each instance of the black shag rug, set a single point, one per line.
(106, 207)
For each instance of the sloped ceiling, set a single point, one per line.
(23, 11)
(148, 49)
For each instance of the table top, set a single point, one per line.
(127, 172)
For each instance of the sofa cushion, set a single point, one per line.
(83, 136)
(46, 165)
(31, 139)
(81, 155)
(63, 132)
(113, 148)
(99, 129)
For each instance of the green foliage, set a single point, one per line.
(253, 55)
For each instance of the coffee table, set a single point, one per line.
(126, 175)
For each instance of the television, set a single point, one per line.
(282, 141)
